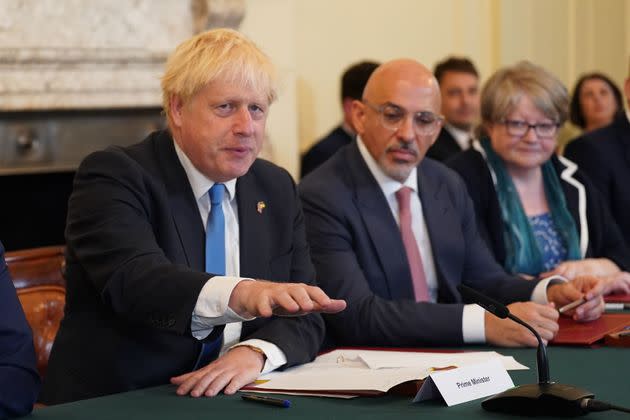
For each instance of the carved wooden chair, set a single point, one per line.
(38, 278)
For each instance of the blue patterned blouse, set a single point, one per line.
(550, 243)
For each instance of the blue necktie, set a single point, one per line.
(215, 232)
(215, 264)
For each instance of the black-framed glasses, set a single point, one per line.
(393, 116)
(519, 128)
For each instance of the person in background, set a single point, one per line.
(394, 234)
(352, 83)
(595, 103)
(538, 213)
(165, 239)
(459, 88)
(604, 155)
(19, 380)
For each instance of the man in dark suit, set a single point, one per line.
(394, 234)
(352, 83)
(459, 87)
(604, 155)
(19, 380)
(150, 295)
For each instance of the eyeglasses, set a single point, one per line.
(518, 128)
(393, 116)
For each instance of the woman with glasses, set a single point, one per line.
(537, 212)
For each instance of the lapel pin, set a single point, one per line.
(260, 206)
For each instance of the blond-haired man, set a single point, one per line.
(165, 236)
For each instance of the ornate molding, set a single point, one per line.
(72, 54)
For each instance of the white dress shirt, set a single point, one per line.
(212, 308)
(461, 137)
(473, 319)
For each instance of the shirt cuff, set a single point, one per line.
(474, 324)
(274, 356)
(212, 307)
(539, 295)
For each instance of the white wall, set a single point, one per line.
(312, 41)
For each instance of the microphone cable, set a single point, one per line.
(591, 405)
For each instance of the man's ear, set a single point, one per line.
(358, 116)
(626, 89)
(176, 108)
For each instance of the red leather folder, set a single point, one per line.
(617, 298)
(587, 333)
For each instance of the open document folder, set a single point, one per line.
(369, 372)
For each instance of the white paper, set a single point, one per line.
(427, 360)
(311, 377)
(359, 371)
(467, 383)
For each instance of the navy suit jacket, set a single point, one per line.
(135, 258)
(445, 147)
(604, 155)
(359, 255)
(19, 380)
(321, 151)
(599, 235)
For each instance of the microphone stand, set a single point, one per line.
(545, 397)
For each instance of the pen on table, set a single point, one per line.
(616, 306)
(278, 402)
(572, 305)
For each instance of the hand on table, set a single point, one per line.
(507, 333)
(230, 372)
(589, 287)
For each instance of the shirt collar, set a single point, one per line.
(628, 114)
(200, 183)
(461, 137)
(388, 185)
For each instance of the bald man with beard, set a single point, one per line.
(394, 234)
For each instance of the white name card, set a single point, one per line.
(465, 384)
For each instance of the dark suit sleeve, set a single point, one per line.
(19, 380)
(111, 238)
(589, 159)
(300, 338)
(605, 238)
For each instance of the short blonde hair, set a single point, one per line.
(218, 54)
(503, 91)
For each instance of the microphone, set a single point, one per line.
(543, 398)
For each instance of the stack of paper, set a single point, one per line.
(368, 372)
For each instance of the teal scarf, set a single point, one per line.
(523, 254)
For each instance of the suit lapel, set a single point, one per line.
(439, 222)
(183, 205)
(571, 194)
(253, 227)
(450, 142)
(381, 227)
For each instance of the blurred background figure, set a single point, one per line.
(604, 155)
(595, 102)
(352, 83)
(459, 87)
(529, 202)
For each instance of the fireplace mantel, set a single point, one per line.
(73, 54)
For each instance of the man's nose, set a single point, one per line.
(243, 121)
(406, 131)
